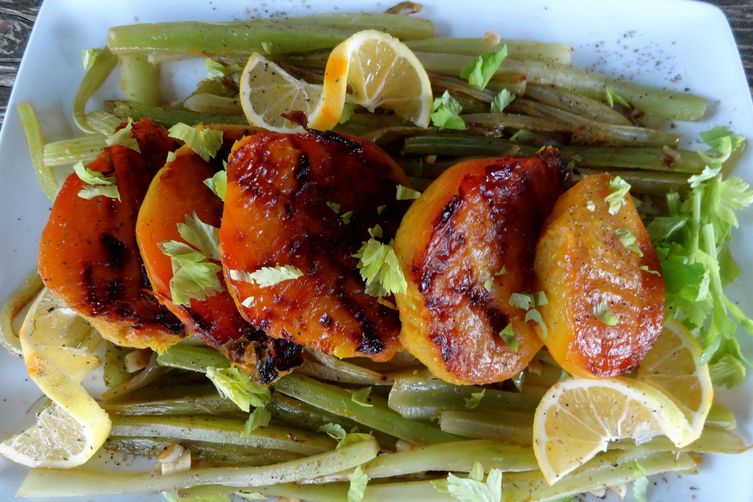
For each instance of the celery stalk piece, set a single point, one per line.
(645, 158)
(220, 430)
(168, 116)
(518, 49)
(24, 293)
(114, 372)
(447, 457)
(204, 404)
(139, 79)
(507, 426)
(276, 36)
(645, 182)
(651, 100)
(379, 417)
(421, 398)
(83, 482)
(143, 378)
(712, 440)
(586, 130)
(203, 102)
(216, 453)
(192, 357)
(93, 79)
(592, 476)
(69, 151)
(35, 143)
(575, 103)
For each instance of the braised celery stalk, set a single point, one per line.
(209, 403)
(507, 426)
(139, 79)
(84, 482)
(221, 430)
(192, 357)
(419, 398)
(377, 416)
(21, 296)
(575, 103)
(651, 100)
(95, 76)
(447, 457)
(35, 143)
(609, 469)
(518, 49)
(168, 116)
(277, 36)
(218, 454)
(69, 151)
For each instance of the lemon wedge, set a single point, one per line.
(673, 365)
(578, 417)
(267, 91)
(381, 72)
(68, 432)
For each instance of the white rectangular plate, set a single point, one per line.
(674, 43)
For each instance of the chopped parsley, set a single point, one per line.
(267, 276)
(502, 100)
(260, 417)
(472, 402)
(234, 384)
(508, 336)
(445, 113)
(124, 137)
(405, 193)
(628, 240)
(361, 397)
(612, 97)
(194, 272)
(618, 189)
(601, 312)
(96, 184)
(481, 70)
(473, 488)
(380, 269)
(357, 487)
(204, 142)
(218, 183)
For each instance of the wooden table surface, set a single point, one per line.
(17, 18)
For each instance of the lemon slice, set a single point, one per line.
(267, 91)
(577, 418)
(381, 72)
(673, 365)
(67, 433)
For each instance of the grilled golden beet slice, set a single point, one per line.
(466, 245)
(602, 278)
(179, 190)
(307, 201)
(88, 255)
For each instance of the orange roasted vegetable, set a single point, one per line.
(307, 201)
(179, 190)
(465, 246)
(88, 255)
(602, 278)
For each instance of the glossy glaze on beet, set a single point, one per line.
(276, 214)
(466, 245)
(88, 255)
(179, 190)
(581, 261)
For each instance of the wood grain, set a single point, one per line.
(17, 18)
